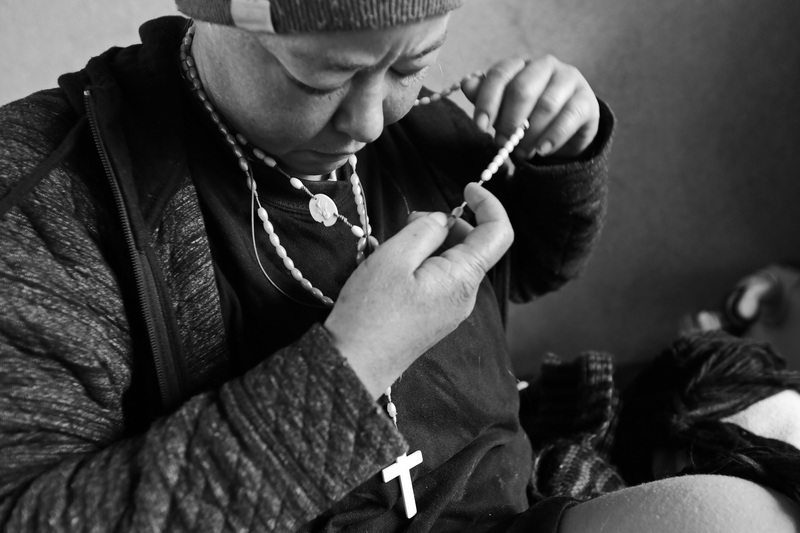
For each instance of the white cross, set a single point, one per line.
(402, 469)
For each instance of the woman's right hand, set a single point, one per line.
(413, 291)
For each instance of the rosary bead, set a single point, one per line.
(391, 408)
(210, 108)
(274, 239)
(238, 151)
(493, 168)
(202, 95)
(288, 263)
(457, 212)
(281, 251)
(296, 274)
(262, 214)
(358, 232)
(509, 146)
(189, 60)
(241, 139)
(362, 244)
(297, 184)
(197, 84)
(360, 256)
(243, 164)
(192, 72)
(268, 227)
(486, 175)
(318, 293)
(373, 242)
(360, 209)
(306, 284)
(499, 160)
(424, 100)
(252, 185)
(327, 301)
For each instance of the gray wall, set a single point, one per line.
(704, 184)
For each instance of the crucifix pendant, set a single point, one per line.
(402, 469)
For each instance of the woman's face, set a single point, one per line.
(313, 99)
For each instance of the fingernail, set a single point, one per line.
(482, 121)
(544, 148)
(439, 217)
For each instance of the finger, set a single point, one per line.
(458, 229)
(573, 129)
(521, 96)
(490, 95)
(416, 241)
(484, 245)
(565, 97)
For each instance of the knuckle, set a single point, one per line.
(547, 105)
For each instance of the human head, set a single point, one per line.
(281, 83)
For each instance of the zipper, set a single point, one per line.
(169, 388)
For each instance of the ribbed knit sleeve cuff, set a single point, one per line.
(312, 422)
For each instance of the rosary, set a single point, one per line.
(323, 210)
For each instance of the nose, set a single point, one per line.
(360, 114)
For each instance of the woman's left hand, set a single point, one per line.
(555, 97)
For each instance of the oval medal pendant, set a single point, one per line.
(323, 209)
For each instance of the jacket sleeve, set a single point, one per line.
(557, 208)
(266, 451)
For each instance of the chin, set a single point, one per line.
(309, 168)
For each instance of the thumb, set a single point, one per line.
(419, 239)
(471, 88)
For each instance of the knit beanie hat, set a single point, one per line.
(296, 16)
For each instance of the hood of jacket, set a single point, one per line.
(136, 96)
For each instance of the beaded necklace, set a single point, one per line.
(323, 210)
(321, 207)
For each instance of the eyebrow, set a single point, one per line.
(350, 67)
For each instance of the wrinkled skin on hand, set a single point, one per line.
(416, 288)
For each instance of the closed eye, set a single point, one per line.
(409, 78)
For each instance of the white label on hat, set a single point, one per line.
(252, 15)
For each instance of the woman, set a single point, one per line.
(207, 296)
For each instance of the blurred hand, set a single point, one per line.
(555, 97)
(406, 297)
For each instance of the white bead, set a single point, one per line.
(509, 146)
(306, 284)
(493, 167)
(327, 301)
(296, 274)
(296, 183)
(515, 139)
(362, 244)
(262, 214)
(258, 153)
(373, 242)
(281, 251)
(269, 228)
(318, 293)
(353, 160)
(360, 256)
(251, 184)
(243, 164)
(354, 180)
(358, 198)
(360, 209)
(241, 139)
(238, 151)
(274, 239)
(436, 97)
(498, 160)
(503, 153)
(486, 175)
(388, 392)
(288, 263)
(391, 408)
(202, 95)
(424, 100)
(457, 212)
(223, 130)
(526, 124)
(358, 232)
(270, 162)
